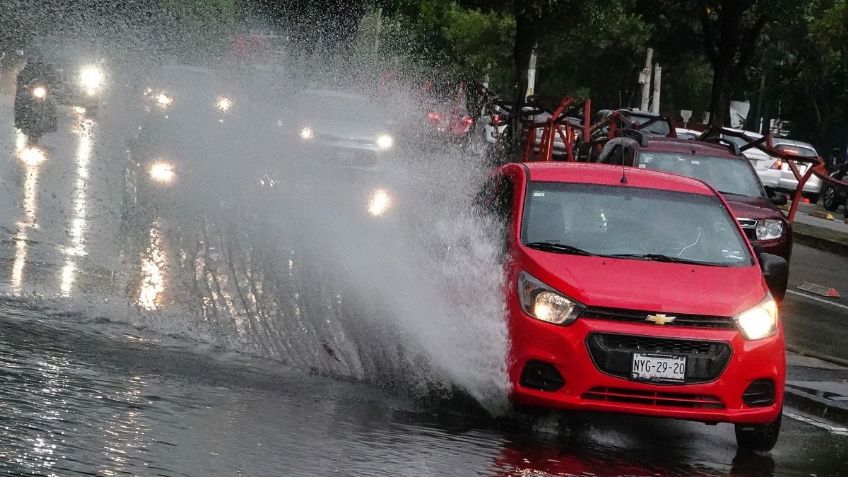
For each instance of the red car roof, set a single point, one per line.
(604, 174)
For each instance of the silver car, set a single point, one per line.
(788, 182)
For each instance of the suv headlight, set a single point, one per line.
(544, 303)
(769, 229)
(759, 321)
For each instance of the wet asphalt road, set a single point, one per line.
(815, 323)
(91, 386)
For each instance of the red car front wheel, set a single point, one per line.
(759, 437)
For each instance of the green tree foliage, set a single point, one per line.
(809, 81)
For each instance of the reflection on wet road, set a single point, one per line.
(208, 344)
(84, 129)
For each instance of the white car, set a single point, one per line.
(787, 181)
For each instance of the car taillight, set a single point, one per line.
(468, 120)
(778, 164)
(433, 116)
(496, 119)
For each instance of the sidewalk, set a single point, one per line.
(819, 228)
(817, 387)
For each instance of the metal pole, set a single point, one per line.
(645, 80)
(655, 107)
(531, 74)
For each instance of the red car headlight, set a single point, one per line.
(759, 321)
(546, 304)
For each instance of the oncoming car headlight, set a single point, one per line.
(306, 134)
(759, 321)
(385, 141)
(544, 303)
(162, 172)
(769, 229)
(91, 78)
(39, 92)
(224, 104)
(379, 202)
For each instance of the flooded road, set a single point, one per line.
(172, 342)
(83, 398)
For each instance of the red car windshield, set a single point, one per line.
(728, 176)
(629, 222)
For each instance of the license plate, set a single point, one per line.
(651, 367)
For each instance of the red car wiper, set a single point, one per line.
(658, 257)
(558, 248)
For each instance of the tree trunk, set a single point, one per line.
(720, 98)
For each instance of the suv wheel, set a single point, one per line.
(829, 198)
(759, 437)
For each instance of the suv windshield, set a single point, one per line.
(726, 175)
(590, 219)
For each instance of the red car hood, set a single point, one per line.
(649, 286)
(752, 208)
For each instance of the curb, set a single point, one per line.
(814, 354)
(821, 243)
(815, 404)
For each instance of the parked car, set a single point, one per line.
(788, 182)
(635, 291)
(718, 165)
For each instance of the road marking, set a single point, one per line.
(811, 297)
(838, 430)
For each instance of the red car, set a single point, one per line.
(635, 291)
(727, 171)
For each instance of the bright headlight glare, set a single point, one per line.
(162, 172)
(306, 133)
(224, 104)
(385, 141)
(39, 92)
(760, 321)
(91, 78)
(544, 303)
(769, 229)
(163, 100)
(379, 203)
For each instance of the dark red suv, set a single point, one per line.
(724, 169)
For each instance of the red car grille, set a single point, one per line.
(652, 398)
(636, 316)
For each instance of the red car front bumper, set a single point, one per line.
(589, 387)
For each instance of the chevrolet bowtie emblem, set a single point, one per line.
(660, 319)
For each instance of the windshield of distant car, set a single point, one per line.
(727, 175)
(631, 222)
(659, 126)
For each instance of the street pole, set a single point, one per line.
(378, 30)
(531, 74)
(655, 107)
(645, 80)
